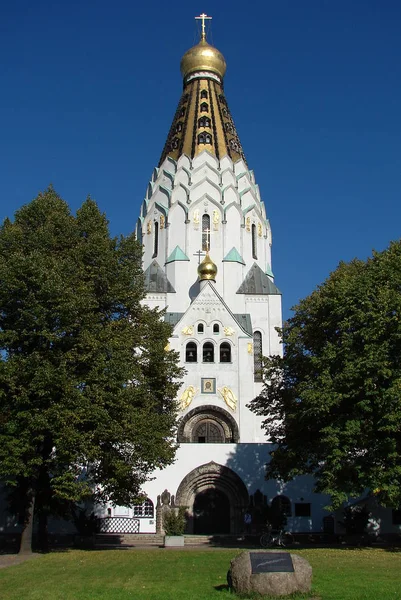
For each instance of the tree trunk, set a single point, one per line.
(43, 533)
(26, 535)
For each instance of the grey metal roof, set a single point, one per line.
(173, 318)
(257, 282)
(156, 279)
(245, 322)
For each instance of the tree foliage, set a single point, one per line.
(332, 403)
(87, 391)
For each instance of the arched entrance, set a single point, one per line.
(211, 512)
(210, 490)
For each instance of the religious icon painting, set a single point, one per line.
(208, 385)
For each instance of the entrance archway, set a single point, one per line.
(211, 512)
(211, 485)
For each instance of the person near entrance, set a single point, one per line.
(248, 522)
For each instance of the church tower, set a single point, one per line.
(207, 262)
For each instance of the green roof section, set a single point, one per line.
(234, 256)
(177, 254)
(269, 271)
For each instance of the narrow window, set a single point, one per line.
(204, 122)
(204, 107)
(208, 352)
(208, 138)
(254, 242)
(206, 232)
(396, 516)
(216, 328)
(191, 352)
(203, 94)
(201, 138)
(200, 328)
(225, 352)
(156, 240)
(257, 355)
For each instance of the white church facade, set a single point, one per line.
(207, 261)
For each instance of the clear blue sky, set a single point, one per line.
(89, 89)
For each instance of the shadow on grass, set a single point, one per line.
(222, 588)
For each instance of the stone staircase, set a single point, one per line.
(127, 540)
(131, 540)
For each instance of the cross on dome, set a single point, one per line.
(203, 17)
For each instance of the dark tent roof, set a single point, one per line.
(256, 282)
(156, 279)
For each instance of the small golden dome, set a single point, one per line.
(207, 270)
(203, 57)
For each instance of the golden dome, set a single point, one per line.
(203, 57)
(207, 269)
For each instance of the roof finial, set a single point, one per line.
(203, 18)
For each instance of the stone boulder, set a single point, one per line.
(262, 574)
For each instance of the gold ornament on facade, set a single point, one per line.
(149, 227)
(228, 331)
(229, 397)
(196, 218)
(260, 232)
(188, 330)
(162, 221)
(248, 223)
(207, 270)
(216, 220)
(187, 396)
(250, 348)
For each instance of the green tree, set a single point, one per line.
(332, 403)
(87, 390)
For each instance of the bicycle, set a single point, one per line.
(276, 537)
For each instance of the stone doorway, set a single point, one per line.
(212, 488)
(211, 512)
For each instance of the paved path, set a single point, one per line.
(8, 560)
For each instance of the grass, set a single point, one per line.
(159, 574)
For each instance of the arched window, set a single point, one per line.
(204, 107)
(254, 242)
(225, 352)
(216, 328)
(146, 509)
(204, 138)
(203, 94)
(179, 127)
(208, 432)
(204, 122)
(155, 240)
(282, 505)
(208, 352)
(205, 232)
(201, 328)
(257, 355)
(182, 111)
(191, 352)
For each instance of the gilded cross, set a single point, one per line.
(207, 232)
(199, 254)
(203, 18)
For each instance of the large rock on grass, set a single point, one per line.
(262, 574)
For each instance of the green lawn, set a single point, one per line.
(159, 574)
